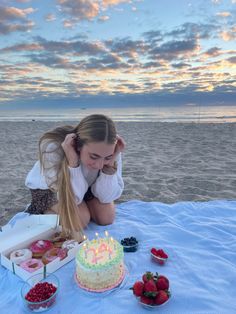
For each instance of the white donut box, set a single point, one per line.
(22, 234)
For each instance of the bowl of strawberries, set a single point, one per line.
(152, 291)
(159, 256)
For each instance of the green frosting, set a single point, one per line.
(80, 257)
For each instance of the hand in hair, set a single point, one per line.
(69, 147)
(120, 145)
(111, 167)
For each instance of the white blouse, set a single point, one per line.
(106, 188)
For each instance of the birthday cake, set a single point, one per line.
(100, 264)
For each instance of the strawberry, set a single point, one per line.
(153, 251)
(138, 288)
(162, 283)
(146, 300)
(161, 253)
(150, 286)
(161, 297)
(147, 276)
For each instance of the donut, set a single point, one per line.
(31, 265)
(39, 247)
(58, 239)
(69, 244)
(19, 256)
(52, 254)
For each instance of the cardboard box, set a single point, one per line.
(22, 234)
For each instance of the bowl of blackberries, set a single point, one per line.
(130, 244)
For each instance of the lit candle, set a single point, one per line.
(96, 253)
(84, 237)
(113, 243)
(106, 233)
(85, 249)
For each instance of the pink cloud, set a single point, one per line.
(12, 13)
(114, 2)
(80, 9)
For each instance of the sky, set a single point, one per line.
(117, 52)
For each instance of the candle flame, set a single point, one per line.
(106, 233)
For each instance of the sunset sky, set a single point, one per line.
(117, 52)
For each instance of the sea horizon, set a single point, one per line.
(185, 113)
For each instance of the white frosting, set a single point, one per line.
(69, 244)
(20, 256)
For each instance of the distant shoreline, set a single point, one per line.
(179, 114)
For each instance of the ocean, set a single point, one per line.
(197, 114)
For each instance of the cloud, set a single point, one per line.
(10, 28)
(50, 60)
(74, 48)
(232, 60)
(23, 1)
(107, 3)
(213, 52)
(228, 35)
(223, 14)
(103, 18)
(190, 30)
(158, 62)
(11, 13)
(13, 19)
(126, 47)
(50, 17)
(175, 49)
(80, 9)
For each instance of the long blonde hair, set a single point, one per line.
(93, 128)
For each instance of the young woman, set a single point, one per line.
(79, 173)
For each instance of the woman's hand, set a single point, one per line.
(120, 146)
(69, 147)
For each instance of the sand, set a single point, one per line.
(164, 162)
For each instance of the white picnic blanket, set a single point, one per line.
(200, 238)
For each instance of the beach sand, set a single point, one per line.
(164, 162)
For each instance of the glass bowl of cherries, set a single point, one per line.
(40, 294)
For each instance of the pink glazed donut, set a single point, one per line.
(39, 247)
(52, 254)
(31, 265)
